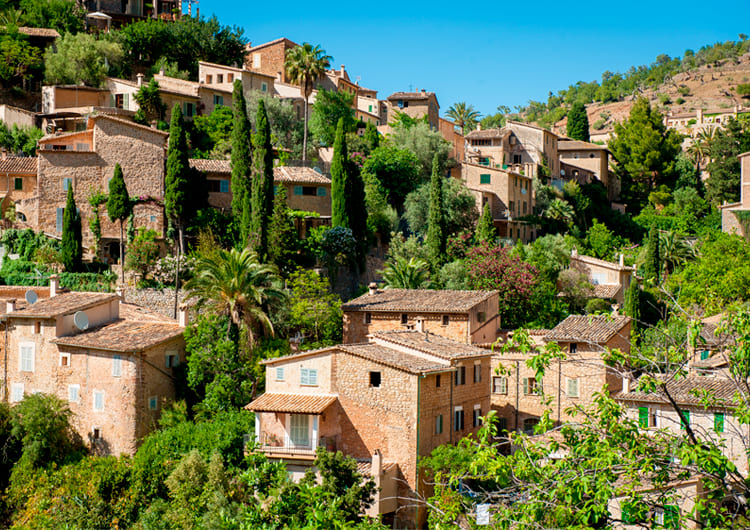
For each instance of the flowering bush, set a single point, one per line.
(163, 272)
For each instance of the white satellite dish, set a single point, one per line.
(31, 297)
(81, 320)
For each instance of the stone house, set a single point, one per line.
(17, 183)
(517, 394)
(222, 78)
(85, 160)
(458, 142)
(466, 316)
(509, 195)
(268, 58)
(610, 280)
(586, 162)
(111, 362)
(369, 108)
(387, 403)
(415, 104)
(735, 217)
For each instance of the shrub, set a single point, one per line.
(143, 252)
(679, 101)
(597, 305)
(743, 89)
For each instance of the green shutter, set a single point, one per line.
(671, 517)
(126, 101)
(298, 190)
(643, 417)
(485, 178)
(705, 354)
(321, 191)
(719, 422)
(685, 419)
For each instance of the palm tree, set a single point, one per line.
(464, 116)
(675, 251)
(701, 146)
(304, 65)
(233, 283)
(403, 274)
(561, 212)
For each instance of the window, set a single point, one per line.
(531, 386)
(230, 78)
(477, 416)
(573, 387)
(460, 377)
(209, 79)
(308, 376)
(719, 421)
(96, 433)
(280, 373)
(171, 360)
(485, 178)
(299, 433)
(400, 103)
(477, 373)
(668, 517)
(37, 327)
(516, 159)
(153, 403)
(321, 191)
(368, 318)
(16, 392)
(64, 359)
(446, 320)
(309, 191)
(374, 379)
(500, 385)
(67, 183)
(437, 381)
(369, 108)
(152, 218)
(404, 318)
(73, 393)
(439, 424)
(224, 186)
(26, 357)
(685, 420)
(116, 366)
(218, 100)
(529, 424)
(98, 400)
(573, 347)
(188, 109)
(643, 417)
(59, 219)
(458, 419)
(18, 183)
(481, 316)
(502, 425)
(219, 78)
(705, 354)
(263, 87)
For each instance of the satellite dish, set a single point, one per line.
(31, 297)
(81, 320)
(317, 170)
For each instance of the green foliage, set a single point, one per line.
(211, 133)
(576, 287)
(18, 59)
(286, 129)
(578, 122)
(423, 142)
(20, 139)
(381, 217)
(71, 247)
(241, 163)
(177, 188)
(314, 311)
(437, 236)
(406, 274)
(262, 185)
(453, 276)
(80, 58)
(601, 243)
(143, 252)
(597, 306)
(652, 265)
(632, 307)
(723, 183)
(486, 231)
(25, 243)
(372, 137)
(549, 254)
(331, 106)
(339, 177)
(459, 208)
(282, 237)
(743, 89)
(151, 107)
(396, 170)
(464, 116)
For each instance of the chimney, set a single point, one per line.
(10, 305)
(54, 285)
(139, 78)
(182, 316)
(420, 325)
(343, 69)
(373, 288)
(574, 252)
(625, 384)
(161, 71)
(479, 126)
(119, 291)
(423, 91)
(377, 465)
(58, 131)
(622, 259)
(616, 310)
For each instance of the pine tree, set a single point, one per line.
(339, 178)
(241, 160)
(119, 208)
(633, 305)
(486, 232)
(578, 122)
(436, 233)
(280, 234)
(262, 185)
(71, 247)
(652, 267)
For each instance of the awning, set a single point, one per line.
(292, 403)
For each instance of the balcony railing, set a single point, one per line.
(295, 450)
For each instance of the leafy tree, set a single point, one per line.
(423, 142)
(304, 65)
(723, 183)
(549, 254)
(674, 251)
(561, 214)
(459, 208)
(143, 252)
(150, 105)
(80, 58)
(339, 177)
(210, 136)
(62, 15)
(576, 288)
(286, 129)
(71, 246)
(578, 122)
(486, 231)
(20, 139)
(262, 186)
(645, 151)
(313, 310)
(601, 243)
(282, 238)
(119, 208)
(372, 137)
(18, 59)
(241, 163)
(356, 205)
(464, 116)
(331, 106)
(436, 238)
(396, 170)
(406, 274)
(652, 266)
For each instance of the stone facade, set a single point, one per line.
(415, 104)
(735, 216)
(268, 58)
(610, 280)
(585, 159)
(17, 182)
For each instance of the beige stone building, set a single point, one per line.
(416, 105)
(465, 316)
(268, 58)
(586, 162)
(387, 403)
(111, 362)
(517, 393)
(610, 280)
(735, 217)
(458, 142)
(17, 183)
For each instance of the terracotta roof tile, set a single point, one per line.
(64, 304)
(596, 329)
(129, 123)
(606, 290)
(412, 363)
(431, 344)
(123, 336)
(19, 164)
(410, 95)
(488, 133)
(39, 32)
(427, 301)
(723, 390)
(292, 403)
(600, 262)
(577, 145)
(211, 165)
(302, 175)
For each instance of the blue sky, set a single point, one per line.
(487, 53)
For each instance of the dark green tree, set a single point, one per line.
(397, 170)
(372, 138)
(328, 109)
(632, 307)
(119, 209)
(339, 177)
(356, 207)
(281, 234)
(71, 248)
(486, 232)
(723, 184)
(262, 185)
(652, 267)
(241, 160)
(151, 106)
(578, 122)
(436, 235)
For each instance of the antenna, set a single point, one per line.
(81, 320)
(31, 297)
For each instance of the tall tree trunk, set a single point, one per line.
(304, 135)
(122, 255)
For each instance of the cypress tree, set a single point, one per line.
(280, 233)
(71, 247)
(262, 185)
(339, 178)
(652, 267)
(372, 139)
(119, 209)
(241, 159)
(578, 122)
(356, 209)
(632, 306)
(436, 230)
(486, 231)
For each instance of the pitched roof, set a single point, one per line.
(576, 145)
(39, 32)
(682, 391)
(430, 343)
(271, 43)
(211, 165)
(292, 403)
(427, 301)
(400, 360)
(606, 290)
(600, 262)
(588, 328)
(129, 123)
(123, 336)
(63, 304)
(302, 175)
(411, 95)
(487, 133)
(19, 164)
